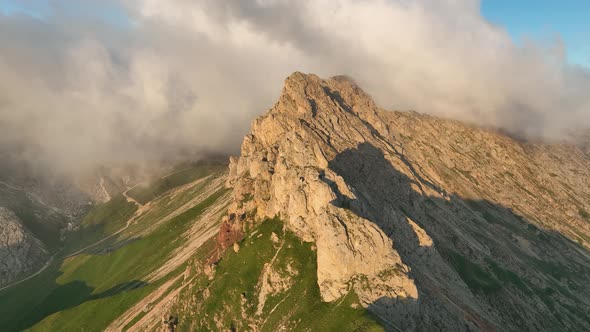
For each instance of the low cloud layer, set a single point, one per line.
(183, 77)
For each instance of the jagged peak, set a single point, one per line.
(299, 78)
(383, 193)
(306, 91)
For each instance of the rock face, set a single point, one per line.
(435, 225)
(289, 176)
(20, 251)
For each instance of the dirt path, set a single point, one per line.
(206, 192)
(141, 208)
(104, 239)
(156, 304)
(133, 200)
(129, 222)
(32, 275)
(129, 198)
(139, 212)
(175, 172)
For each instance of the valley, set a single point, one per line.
(107, 262)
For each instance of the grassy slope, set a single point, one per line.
(137, 258)
(90, 290)
(144, 194)
(234, 289)
(103, 220)
(166, 204)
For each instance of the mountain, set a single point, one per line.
(37, 210)
(337, 215)
(121, 253)
(42, 207)
(432, 223)
(20, 251)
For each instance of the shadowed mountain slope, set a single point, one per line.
(433, 223)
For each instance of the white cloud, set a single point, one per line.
(190, 75)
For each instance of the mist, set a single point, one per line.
(178, 78)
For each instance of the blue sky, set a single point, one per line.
(104, 10)
(523, 19)
(542, 19)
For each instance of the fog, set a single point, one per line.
(182, 78)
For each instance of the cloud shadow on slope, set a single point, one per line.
(70, 295)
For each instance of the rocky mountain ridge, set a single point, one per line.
(434, 224)
(337, 216)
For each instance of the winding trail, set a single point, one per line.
(138, 212)
(131, 199)
(32, 275)
(48, 263)
(129, 221)
(104, 239)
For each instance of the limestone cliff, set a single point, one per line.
(434, 224)
(20, 251)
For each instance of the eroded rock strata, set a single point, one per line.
(436, 225)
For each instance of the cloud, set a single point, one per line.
(188, 76)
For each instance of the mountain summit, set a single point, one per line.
(434, 224)
(337, 216)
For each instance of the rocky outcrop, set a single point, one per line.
(20, 251)
(434, 224)
(284, 166)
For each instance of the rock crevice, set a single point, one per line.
(405, 208)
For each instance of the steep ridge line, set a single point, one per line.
(493, 219)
